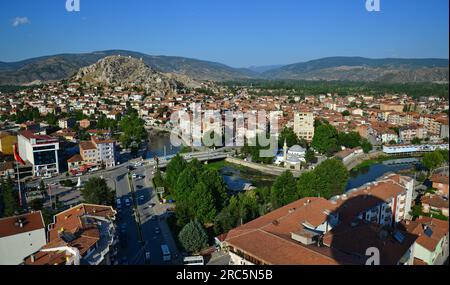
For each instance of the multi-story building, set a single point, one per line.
(66, 123)
(7, 141)
(432, 126)
(96, 152)
(409, 132)
(82, 235)
(441, 183)
(444, 131)
(392, 107)
(106, 151)
(41, 151)
(304, 125)
(21, 236)
(383, 133)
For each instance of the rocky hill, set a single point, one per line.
(49, 68)
(364, 69)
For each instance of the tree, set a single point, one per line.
(366, 145)
(325, 139)
(216, 185)
(306, 185)
(433, 160)
(42, 185)
(284, 190)
(349, 140)
(37, 204)
(346, 113)
(193, 237)
(10, 198)
(310, 156)
(133, 130)
(96, 191)
(327, 180)
(202, 204)
(173, 170)
(288, 135)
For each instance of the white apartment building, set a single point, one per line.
(41, 151)
(304, 125)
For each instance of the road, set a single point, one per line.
(155, 230)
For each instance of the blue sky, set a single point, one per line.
(239, 33)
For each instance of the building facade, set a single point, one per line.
(21, 236)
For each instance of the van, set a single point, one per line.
(118, 203)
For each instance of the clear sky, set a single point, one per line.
(239, 33)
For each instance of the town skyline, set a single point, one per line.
(232, 33)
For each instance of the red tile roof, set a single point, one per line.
(31, 222)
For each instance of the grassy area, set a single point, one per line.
(379, 159)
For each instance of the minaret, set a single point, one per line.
(285, 150)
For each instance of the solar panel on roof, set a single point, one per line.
(399, 237)
(428, 232)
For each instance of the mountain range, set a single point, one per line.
(392, 70)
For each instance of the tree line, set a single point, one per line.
(202, 198)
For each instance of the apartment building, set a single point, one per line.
(391, 107)
(432, 126)
(409, 132)
(431, 246)
(82, 235)
(304, 125)
(21, 236)
(383, 133)
(441, 183)
(66, 123)
(41, 151)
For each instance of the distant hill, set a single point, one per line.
(390, 70)
(57, 67)
(130, 72)
(264, 68)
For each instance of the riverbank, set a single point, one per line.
(379, 159)
(236, 176)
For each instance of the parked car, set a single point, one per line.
(127, 202)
